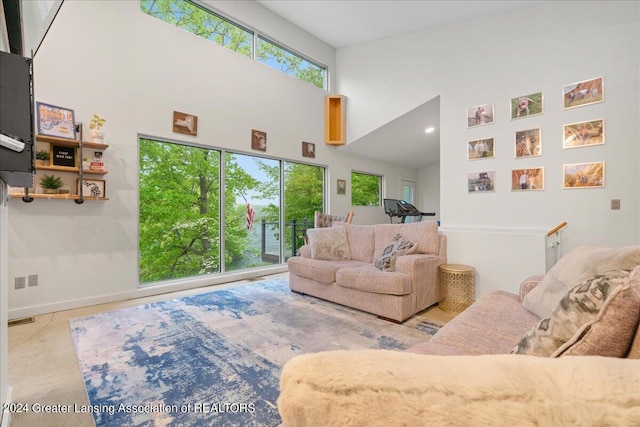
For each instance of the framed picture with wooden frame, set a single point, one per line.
(258, 140)
(55, 121)
(583, 134)
(308, 149)
(93, 188)
(341, 186)
(583, 175)
(185, 123)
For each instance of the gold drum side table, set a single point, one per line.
(457, 287)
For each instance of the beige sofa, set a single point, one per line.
(347, 275)
(464, 375)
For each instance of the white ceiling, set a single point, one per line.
(342, 23)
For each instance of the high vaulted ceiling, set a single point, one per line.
(342, 23)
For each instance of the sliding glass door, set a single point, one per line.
(184, 191)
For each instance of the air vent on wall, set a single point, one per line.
(23, 321)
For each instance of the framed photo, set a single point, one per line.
(64, 156)
(528, 143)
(583, 175)
(530, 179)
(583, 134)
(526, 105)
(480, 115)
(309, 149)
(55, 121)
(342, 186)
(583, 93)
(481, 182)
(96, 188)
(258, 140)
(480, 149)
(185, 123)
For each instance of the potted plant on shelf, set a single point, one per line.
(42, 157)
(50, 184)
(96, 128)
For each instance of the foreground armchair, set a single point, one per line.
(392, 388)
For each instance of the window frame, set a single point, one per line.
(380, 186)
(256, 36)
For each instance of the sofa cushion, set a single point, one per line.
(398, 246)
(329, 244)
(361, 240)
(318, 270)
(492, 325)
(368, 278)
(424, 234)
(578, 265)
(599, 317)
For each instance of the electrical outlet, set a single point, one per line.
(615, 204)
(19, 282)
(32, 280)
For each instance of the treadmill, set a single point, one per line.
(403, 209)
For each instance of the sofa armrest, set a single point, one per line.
(417, 265)
(384, 387)
(528, 284)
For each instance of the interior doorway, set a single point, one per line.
(409, 195)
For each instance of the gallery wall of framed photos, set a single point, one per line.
(527, 141)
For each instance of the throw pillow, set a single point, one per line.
(598, 317)
(578, 265)
(329, 243)
(397, 247)
(361, 240)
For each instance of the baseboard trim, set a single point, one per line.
(146, 291)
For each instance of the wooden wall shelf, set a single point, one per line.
(71, 143)
(57, 197)
(335, 119)
(71, 174)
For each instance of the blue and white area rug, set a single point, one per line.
(214, 359)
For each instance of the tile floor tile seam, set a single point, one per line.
(35, 333)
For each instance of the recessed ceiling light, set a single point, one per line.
(429, 129)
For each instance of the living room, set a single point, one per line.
(110, 58)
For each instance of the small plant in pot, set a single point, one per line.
(43, 156)
(51, 183)
(96, 128)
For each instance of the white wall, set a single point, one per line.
(429, 189)
(4, 285)
(492, 60)
(109, 58)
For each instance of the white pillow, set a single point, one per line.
(329, 243)
(578, 265)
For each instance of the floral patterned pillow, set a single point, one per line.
(397, 247)
(597, 317)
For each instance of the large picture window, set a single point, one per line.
(182, 190)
